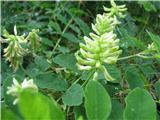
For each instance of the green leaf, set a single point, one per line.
(42, 63)
(7, 114)
(73, 96)
(79, 113)
(63, 49)
(97, 101)
(61, 18)
(157, 87)
(75, 29)
(134, 78)
(67, 61)
(71, 37)
(117, 111)
(33, 70)
(128, 40)
(114, 72)
(148, 6)
(36, 106)
(83, 26)
(47, 42)
(55, 26)
(139, 106)
(148, 70)
(87, 74)
(156, 40)
(51, 81)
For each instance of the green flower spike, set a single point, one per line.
(14, 52)
(101, 47)
(115, 10)
(34, 39)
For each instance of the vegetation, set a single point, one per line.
(82, 60)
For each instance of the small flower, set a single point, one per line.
(151, 47)
(16, 88)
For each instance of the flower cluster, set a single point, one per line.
(16, 88)
(34, 39)
(102, 46)
(16, 50)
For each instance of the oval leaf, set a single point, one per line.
(73, 96)
(97, 101)
(117, 111)
(67, 61)
(139, 106)
(36, 106)
(51, 81)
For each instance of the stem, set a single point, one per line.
(76, 80)
(59, 40)
(86, 81)
(131, 56)
(68, 88)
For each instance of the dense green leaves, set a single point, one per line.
(73, 96)
(42, 63)
(51, 82)
(47, 42)
(97, 101)
(134, 78)
(66, 60)
(139, 106)
(83, 26)
(55, 26)
(39, 107)
(70, 37)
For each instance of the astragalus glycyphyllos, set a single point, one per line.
(103, 45)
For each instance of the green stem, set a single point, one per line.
(86, 81)
(68, 88)
(77, 80)
(131, 56)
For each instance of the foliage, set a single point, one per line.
(56, 65)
